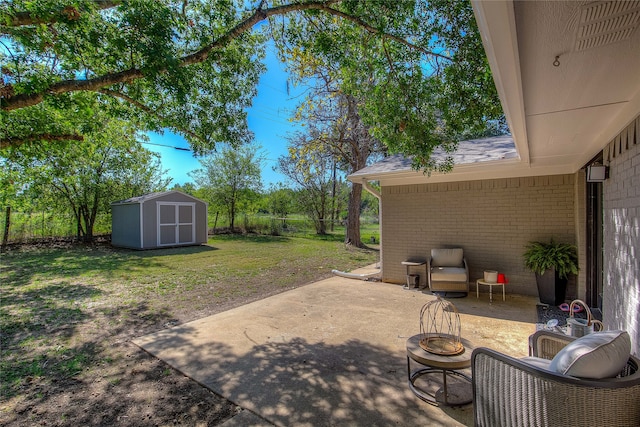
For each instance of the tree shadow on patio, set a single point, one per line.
(296, 382)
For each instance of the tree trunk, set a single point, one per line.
(352, 236)
(317, 212)
(333, 196)
(232, 212)
(215, 221)
(7, 225)
(322, 227)
(78, 216)
(89, 222)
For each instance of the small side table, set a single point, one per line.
(490, 285)
(414, 263)
(455, 389)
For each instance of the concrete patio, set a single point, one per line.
(331, 353)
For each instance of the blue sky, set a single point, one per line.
(268, 119)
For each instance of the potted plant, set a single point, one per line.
(552, 263)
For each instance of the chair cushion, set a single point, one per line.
(597, 355)
(449, 274)
(447, 257)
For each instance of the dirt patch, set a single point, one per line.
(136, 389)
(119, 384)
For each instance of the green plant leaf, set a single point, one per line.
(540, 257)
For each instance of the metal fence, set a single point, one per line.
(27, 226)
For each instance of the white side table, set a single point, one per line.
(490, 285)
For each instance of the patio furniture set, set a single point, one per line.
(447, 272)
(565, 380)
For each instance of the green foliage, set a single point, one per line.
(68, 44)
(540, 257)
(187, 188)
(109, 165)
(230, 179)
(423, 85)
(280, 201)
(311, 171)
(44, 222)
(417, 68)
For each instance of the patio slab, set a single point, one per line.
(331, 353)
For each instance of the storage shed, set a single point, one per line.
(157, 220)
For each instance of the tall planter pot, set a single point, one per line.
(551, 288)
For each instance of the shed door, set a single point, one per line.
(176, 223)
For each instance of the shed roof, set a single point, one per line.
(151, 196)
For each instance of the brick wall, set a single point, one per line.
(492, 220)
(621, 293)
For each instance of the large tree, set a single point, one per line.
(309, 166)
(193, 66)
(415, 97)
(333, 126)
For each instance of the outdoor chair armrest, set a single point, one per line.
(546, 344)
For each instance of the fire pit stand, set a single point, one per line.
(446, 386)
(440, 350)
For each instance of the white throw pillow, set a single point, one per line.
(597, 355)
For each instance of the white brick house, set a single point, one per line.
(571, 95)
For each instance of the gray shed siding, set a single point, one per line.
(149, 224)
(125, 225)
(182, 221)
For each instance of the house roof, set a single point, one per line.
(486, 158)
(472, 152)
(567, 76)
(150, 196)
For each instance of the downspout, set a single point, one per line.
(375, 193)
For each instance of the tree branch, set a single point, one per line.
(376, 31)
(14, 102)
(69, 13)
(27, 100)
(4, 143)
(146, 109)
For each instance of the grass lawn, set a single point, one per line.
(67, 316)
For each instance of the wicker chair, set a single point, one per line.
(510, 392)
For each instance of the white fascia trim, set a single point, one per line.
(497, 24)
(613, 129)
(487, 170)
